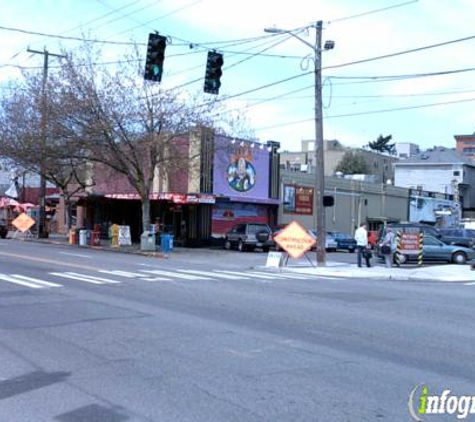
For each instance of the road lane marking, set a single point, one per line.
(225, 276)
(240, 274)
(176, 275)
(126, 274)
(78, 277)
(20, 282)
(76, 254)
(48, 261)
(35, 280)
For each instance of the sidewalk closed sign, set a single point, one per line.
(124, 236)
(294, 240)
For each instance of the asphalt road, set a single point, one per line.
(203, 337)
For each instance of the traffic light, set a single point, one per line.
(328, 201)
(213, 72)
(155, 56)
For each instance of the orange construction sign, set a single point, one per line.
(23, 222)
(294, 240)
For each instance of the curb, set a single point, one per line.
(369, 276)
(151, 254)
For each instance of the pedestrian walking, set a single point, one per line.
(388, 247)
(361, 237)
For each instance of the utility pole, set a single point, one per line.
(319, 153)
(42, 232)
(319, 209)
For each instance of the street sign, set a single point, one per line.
(23, 222)
(274, 259)
(295, 240)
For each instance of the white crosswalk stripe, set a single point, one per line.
(35, 280)
(12, 279)
(278, 275)
(224, 276)
(85, 278)
(176, 275)
(265, 277)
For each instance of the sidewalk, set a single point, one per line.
(444, 272)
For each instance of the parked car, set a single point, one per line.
(436, 250)
(343, 241)
(424, 228)
(459, 236)
(330, 242)
(249, 236)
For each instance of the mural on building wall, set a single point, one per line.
(241, 170)
(226, 215)
(298, 200)
(436, 210)
(241, 175)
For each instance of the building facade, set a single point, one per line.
(440, 170)
(466, 145)
(354, 202)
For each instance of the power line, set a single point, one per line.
(399, 53)
(373, 11)
(387, 110)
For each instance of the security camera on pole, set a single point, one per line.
(319, 156)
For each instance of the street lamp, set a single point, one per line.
(319, 156)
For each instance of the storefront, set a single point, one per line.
(242, 175)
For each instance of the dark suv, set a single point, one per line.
(459, 237)
(249, 236)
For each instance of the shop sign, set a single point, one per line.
(298, 200)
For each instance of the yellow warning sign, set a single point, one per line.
(294, 240)
(23, 222)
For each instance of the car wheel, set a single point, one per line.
(351, 250)
(240, 246)
(265, 249)
(459, 258)
(227, 245)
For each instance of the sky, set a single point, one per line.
(372, 83)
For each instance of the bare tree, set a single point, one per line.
(37, 149)
(134, 127)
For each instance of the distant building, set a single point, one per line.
(442, 170)
(381, 165)
(466, 145)
(406, 149)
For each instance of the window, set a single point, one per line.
(456, 173)
(241, 229)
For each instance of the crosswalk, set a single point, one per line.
(115, 277)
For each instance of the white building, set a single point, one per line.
(441, 170)
(406, 149)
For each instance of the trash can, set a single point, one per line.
(147, 241)
(82, 237)
(167, 242)
(77, 230)
(95, 238)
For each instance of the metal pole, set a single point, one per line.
(42, 232)
(319, 153)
